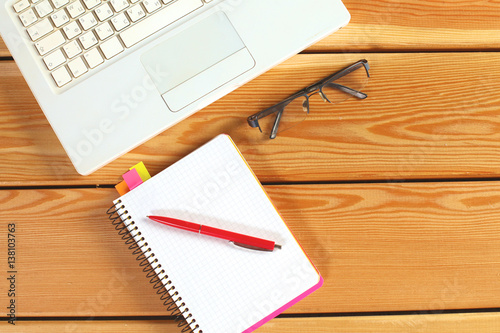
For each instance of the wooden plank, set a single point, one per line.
(412, 25)
(431, 323)
(395, 25)
(380, 247)
(420, 120)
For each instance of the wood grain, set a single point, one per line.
(380, 247)
(426, 116)
(395, 25)
(431, 323)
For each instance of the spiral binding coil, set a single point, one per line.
(163, 286)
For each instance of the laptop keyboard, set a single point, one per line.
(74, 37)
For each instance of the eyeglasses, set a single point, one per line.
(294, 109)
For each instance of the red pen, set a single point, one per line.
(245, 241)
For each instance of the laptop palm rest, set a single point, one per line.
(197, 61)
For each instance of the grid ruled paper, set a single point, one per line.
(226, 288)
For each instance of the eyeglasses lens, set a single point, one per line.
(294, 113)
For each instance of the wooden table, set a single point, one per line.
(396, 198)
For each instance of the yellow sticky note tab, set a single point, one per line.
(122, 188)
(142, 171)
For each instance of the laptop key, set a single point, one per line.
(72, 30)
(120, 21)
(50, 42)
(151, 5)
(104, 12)
(72, 49)
(40, 29)
(54, 59)
(61, 76)
(119, 5)
(59, 3)
(88, 21)
(44, 8)
(104, 31)
(59, 18)
(91, 3)
(93, 58)
(75, 9)
(77, 67)
(88, 40)
(28, 17)
(136, 12)
(111, 47)
(21, 5)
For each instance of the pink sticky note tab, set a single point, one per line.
(132, 179)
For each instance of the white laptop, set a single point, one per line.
(111, 74)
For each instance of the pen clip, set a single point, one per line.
(250, 247)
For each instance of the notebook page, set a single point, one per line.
(226, 288)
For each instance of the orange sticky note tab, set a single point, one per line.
(122, 188)
(142, 171)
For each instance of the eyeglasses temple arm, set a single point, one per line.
(347, 90)
(253, 120)
(276, 124)
(346, 71)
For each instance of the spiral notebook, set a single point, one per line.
(215, 286)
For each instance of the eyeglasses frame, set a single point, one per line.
(315, 88)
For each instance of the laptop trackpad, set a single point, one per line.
(197, 61)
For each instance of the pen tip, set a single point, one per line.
(277, 246)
